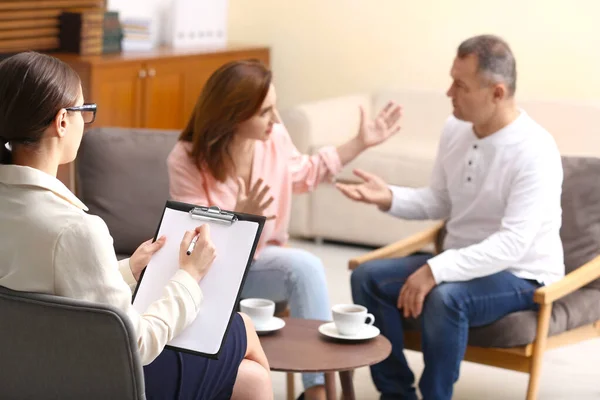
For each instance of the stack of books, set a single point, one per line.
(137, 34)
(82, 32)
(113, 33)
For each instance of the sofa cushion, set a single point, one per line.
(122, 177)
(407, 158)
(518, 329)
(333, 206)
(580, 231)
(400, 161)
(325, 122)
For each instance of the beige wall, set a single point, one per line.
(324, 48)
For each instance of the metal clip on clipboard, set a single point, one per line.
(213, 214)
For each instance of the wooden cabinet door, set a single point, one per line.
(198, 70)
(163, 100)
(118, 91)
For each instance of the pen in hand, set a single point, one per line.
(192, 245)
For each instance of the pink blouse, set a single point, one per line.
(276, 161)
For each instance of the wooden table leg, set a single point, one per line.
(347, 385)
(291, 393)
(330, 385)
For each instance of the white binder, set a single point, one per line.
(197, 23)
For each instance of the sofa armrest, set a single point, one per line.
(325, 122)
(401, 248)
(580, 277)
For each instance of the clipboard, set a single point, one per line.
(236, 237)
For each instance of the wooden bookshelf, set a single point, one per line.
(34, 24)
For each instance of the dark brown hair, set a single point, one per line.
(495, 58)
(34, 87)
(233, 94)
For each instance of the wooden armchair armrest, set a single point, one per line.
(401, 248)
(570, 283)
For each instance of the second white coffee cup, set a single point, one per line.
(260, 311)
(349, 319)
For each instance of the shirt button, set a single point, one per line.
(474, 146)
(469, 179)
(470, 162)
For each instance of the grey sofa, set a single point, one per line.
(121, 175)
(59, 348)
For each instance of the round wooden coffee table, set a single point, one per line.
(299, 347)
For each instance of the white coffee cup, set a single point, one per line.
(349, 319)
(260, 311)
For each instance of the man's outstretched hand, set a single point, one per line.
(373, 190)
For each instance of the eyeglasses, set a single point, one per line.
(88, 112)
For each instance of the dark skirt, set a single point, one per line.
(175, 375)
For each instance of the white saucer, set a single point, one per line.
(273, 325)
(367, 332)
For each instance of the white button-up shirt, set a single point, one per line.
(50, 245)
(501, 198)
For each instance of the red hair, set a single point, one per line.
(233, 94)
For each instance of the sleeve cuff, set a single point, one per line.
(441, 265)
(395, 199)
(125, 270)
(331, 159)
(400, 201)
(185, 279)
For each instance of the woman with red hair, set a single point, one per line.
(236, 154)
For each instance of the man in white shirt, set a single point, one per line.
(497, 182)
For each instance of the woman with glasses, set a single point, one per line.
(51, 245)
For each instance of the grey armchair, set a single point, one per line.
(57, 348)
(569, 310)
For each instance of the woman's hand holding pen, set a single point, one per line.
(253, 201)
(201, 254)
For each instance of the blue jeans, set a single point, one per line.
(449, 310)
(295, 275)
